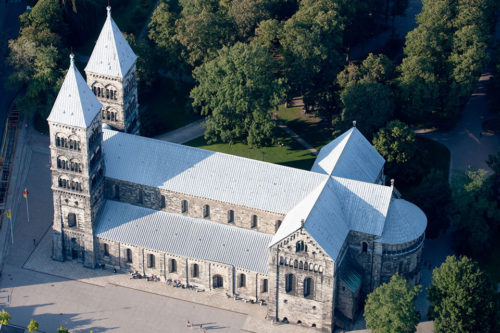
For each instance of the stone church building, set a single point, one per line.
(311, 244)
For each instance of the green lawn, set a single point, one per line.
(292, 154)
(312, 129)
(166, 107)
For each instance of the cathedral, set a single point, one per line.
(309, 244)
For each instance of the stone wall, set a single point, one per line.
(171, 202)
(405, 259)
(184, 269)
(315, 309)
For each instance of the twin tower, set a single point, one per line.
(108, 97)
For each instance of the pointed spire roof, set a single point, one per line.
(111, 55)
(75, 105)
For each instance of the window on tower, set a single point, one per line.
(71, 220)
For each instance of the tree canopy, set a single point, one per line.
(461, 298)
(33, 326)
(236, 91)
(390, 308)
(4, 317)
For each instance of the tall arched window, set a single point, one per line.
(140, 197)
(172, 265)
(289, 283)
(243, 281)
(254, 221)
(230, 216)
(116, 191)
(129, 256)
(364, 247)
(264, 286)
(184, 206)
(206, 211)
(299, 246)
(195, 271)
(106, 250)
(162, 202)
(308, 287)
(151, 260)
(71, 220)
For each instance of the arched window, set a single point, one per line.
(230, 216)
(243, 282)
(106, 250)
(278, 224)
(364, 247)
(129, 256)
(254, 221)
(116, 191)
(162, 202)
(282, 261)
(301, 265)
(206, 211)
(265, 286)
(71, 220)
(151, 260)
(195, 271)
(299, 246)
(295, 263)
(289, 283)
(217, 281)
(306, 266)
(184, 206)
(308, 287)
(172, 266)
(140, 197)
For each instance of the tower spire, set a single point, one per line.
(71, 59)
(108, 9)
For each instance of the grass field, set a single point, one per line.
(292, 154)
(312, 129)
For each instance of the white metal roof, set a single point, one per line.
(405, 222)
(365, 205)
(206, 174)
(350, 156)
(112, 55)
(334, 208)
(184, 236)
(75, 104)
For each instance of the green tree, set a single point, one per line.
(33, 326)
(433, 196)
(477, 216)
(62, 329)
(461, 297)
(396, 142)
(146, 60)
(236, 91)
(370, 103)
(4, 317)
(311, 41)
(390, 308)
(246, 15)
(267, 34)
(203, 28)
(375, 68)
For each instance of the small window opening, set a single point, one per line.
(254, 221)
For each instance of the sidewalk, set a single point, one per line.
(184, 134)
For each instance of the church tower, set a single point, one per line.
(111, 74)
(77, 168)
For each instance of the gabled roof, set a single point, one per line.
(405, 222)
(334, 208)
(184, 236)
(365, 205)
(350, 156)
(112, 55)
(206, 174)
(75, 104)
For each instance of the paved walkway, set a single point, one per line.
(297, 138)
(184, 134)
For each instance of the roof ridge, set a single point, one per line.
(346, 140)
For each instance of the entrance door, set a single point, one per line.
(74, 249)
(218, 282)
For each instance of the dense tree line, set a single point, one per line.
(444, 55)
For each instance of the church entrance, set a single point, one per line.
(218, 282)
